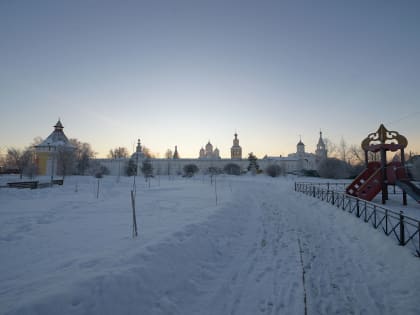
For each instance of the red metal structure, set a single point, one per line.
(378, 175)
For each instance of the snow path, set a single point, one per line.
(243, 256)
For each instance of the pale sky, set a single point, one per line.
(185, 72)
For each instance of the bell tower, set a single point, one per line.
(321, 151)
(236, 150)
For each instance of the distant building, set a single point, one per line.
(208, 153)
(321, 151)
(48, 151)
(236, 150)
(301, 160)
(176, 154)
(138, 155)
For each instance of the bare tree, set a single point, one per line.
(334, 168)
(118, 153)
(342, 149)
(83, 155)
(148, 153)
(19, 159)
(356, 155)
(36, 141)
(168, 154)
(65, 161)
(2, 161)
(330, 147)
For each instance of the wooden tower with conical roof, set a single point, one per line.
(48, 150)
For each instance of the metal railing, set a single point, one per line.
(328, 185)
(404, 229)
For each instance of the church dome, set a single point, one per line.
(138, 155)
(209, 147)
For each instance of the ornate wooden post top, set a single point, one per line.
(383, 138)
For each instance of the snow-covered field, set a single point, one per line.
(262, 249)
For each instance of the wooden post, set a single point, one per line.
(357, 208)
(374, 218)
(215, 188)
(402, 232)
(133, 205)
(403, 166)
(97, 190)
(384, 177)
(366, 219)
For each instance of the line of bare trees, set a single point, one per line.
(23, 161)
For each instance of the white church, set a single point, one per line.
(209, 159)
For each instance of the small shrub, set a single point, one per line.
(190, 169)
(232, 169)
(273, 170)
(334, 168)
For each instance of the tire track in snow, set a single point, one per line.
(267, 278)
(303, 277)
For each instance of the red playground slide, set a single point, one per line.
(412, 190)
(364, 178)
(368, 184)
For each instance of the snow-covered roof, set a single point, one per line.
(56, 138)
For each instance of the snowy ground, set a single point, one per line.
(263, 249)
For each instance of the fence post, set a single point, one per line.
(133, 205)
(386, 221)
(332, 199)
(402, 234)
(365, 212)
(357, 208)
(374, 216)
(313, 189)
(418, 228)
(295, 187)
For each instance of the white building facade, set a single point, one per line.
(209, 160)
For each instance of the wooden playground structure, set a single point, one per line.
(378, 175)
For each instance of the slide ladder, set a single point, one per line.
(371, 187)
(365, 181)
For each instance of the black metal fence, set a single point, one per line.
(404, 229)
